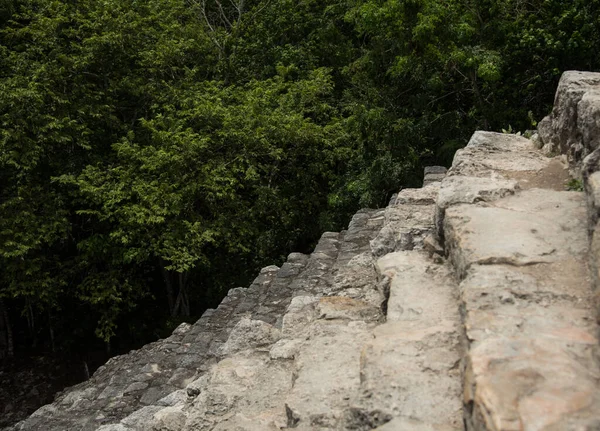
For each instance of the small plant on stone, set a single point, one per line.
(574, 185)
(511, 131)
(532, 120)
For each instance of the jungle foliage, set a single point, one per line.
(155, 153)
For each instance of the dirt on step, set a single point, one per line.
(555, 176)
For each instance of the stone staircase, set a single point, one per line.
(467, 304)
(518, 244)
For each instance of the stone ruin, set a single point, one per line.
(469, 304)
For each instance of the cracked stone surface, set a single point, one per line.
(521, 255)
(286, 352)
(571, 128)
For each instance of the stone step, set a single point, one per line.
(518, 243)
(407, 221)
(127, 383)
(410, 368)
(322, 333)
(354, 273)
(349, 376)
(433, 174)
(319, 267)
(300, 275)
(330, 332)
(313, 356)
(363, 227)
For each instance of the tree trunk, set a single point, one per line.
(31, 324)
(51, 330)
(86, 370)
(168, 287)
(175, 310)
(177, 296)
(479, 99)
(185, 302)
(5, 325)
(182, 304)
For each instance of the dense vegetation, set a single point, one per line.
(155, 153)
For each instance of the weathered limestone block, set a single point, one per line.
(508, 393)
(467, 189)
(168, 419)
(315, 273)
(591, 182)
(570, 127)
(327, 371)
(327, 245)
(594, 259)
(385, 241)
(535, 226)
(493, 166)
(405, 228)
(413, 425)
(420, 290)
(503, 299)
(300, 313)
(240, 390)
(358, 280)
(497, 153)
(423, 196)
(362, 227)
(285, 349)
(410, 368)
(353, 275)
(528, 315)
(522, 230)
(114, 427)
(434, 174)
(344, 308)
(588, 119)
(509, 157)
(250, 334)
(592, 185)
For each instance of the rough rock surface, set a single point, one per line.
(434, 174)
(464, 305)
(572, 127)
(520, 253)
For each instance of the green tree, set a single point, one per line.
(160, 152)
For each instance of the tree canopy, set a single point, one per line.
(160, 151)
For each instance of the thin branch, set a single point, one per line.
(211, 33)
(443, 97)
(224, 15)
(259, 10)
